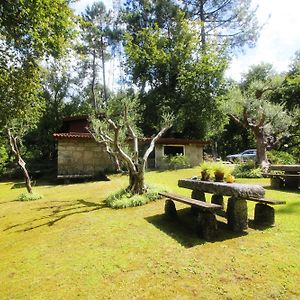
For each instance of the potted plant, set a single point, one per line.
(205, 170)
(219, 170)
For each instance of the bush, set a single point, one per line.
(247, 170)
(29, 196)
(177, 161)
(281, 157)
(123, 199)
(3, 158)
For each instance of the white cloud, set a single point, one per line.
(279, 39)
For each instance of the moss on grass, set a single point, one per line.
(70, 245)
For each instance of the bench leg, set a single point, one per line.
(170, 209)
(237, 214)
(217, 199)
(264, 215)
(207, 225)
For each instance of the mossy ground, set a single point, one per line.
(69, 245)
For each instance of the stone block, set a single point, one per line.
(170, 209)
(207, 225)
(218, 199)
(199, 195)
(264, 215)
(237, 214)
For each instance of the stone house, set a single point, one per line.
(80, 155)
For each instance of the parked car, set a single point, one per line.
(247, 154)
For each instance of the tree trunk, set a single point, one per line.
(261, 151)
(137, 182)
(103, 71)
(94, 81)
(202, 25)
(20, 161)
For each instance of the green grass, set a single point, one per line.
(69, 245)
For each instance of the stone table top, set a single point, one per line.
(237, 190)
(286, 168)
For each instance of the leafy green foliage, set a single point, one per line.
(34, 29)
(29, 197)
(247, 170)
(3, 158)
(281, 157)
(123, 199)
(173, 73)
(177, 161)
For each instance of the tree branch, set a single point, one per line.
(152, 144)
(133, 135)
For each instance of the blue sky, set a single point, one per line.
(279, 38)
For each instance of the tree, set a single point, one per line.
(20, 106)
(97, 35)
(233, 23)
(166, 63)
(253, 110)
(117, 130)
(26, 37)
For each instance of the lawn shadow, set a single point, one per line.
(183, 228)
(57, 213)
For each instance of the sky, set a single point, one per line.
(279, 39)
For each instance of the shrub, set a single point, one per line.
(177, 161)
(123, 199)
(281, 157)
(29, 196)
(247, 170)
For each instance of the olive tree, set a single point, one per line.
(117, 129)
(252, 109)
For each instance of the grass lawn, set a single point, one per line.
(68, 245)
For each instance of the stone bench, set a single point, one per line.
(206, 220)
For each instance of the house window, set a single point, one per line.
(173, 150)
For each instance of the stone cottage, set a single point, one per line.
(79, 155)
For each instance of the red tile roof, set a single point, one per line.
(72, 135)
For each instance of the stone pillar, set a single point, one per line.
(217, 199)
(264, 215)
(292, 183)
(199, 195)
(170, 209)
(237, 214)
(277, 183)
(207, 225)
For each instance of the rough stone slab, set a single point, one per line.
(236, 190)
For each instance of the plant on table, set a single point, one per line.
(206, 168)
(220, 171)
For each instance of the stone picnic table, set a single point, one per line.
(237, 213)
(290, 177)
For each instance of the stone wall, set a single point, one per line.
(193, 152)
(82, 157)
